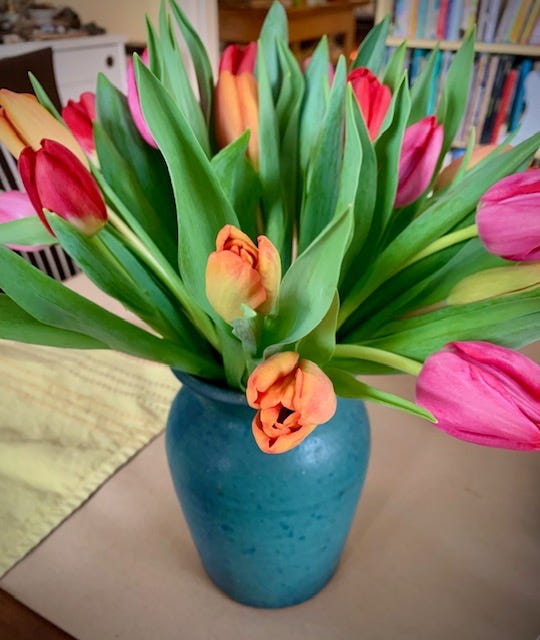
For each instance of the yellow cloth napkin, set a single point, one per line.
(68, 420)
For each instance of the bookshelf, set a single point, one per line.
(507, 51)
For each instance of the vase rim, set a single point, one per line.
(210, 390)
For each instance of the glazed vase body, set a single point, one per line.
(269, 529)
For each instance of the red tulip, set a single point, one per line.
(239, 272)
(422, 144)
(292, 396)
(15, 205)
(483, 393)
(134, 102)
(79, 117)
(373, 98)
(56, 180)
(508, 217)
(236, 98)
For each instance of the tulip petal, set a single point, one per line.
(15, 205)
(9, 137)
(270, 271)
(483, 393)
(134, 103)
(33, 122)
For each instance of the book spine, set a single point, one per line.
(478, 82)
(401, 17)
(495, 98)
(413, 19)
(443, 16)
(468, 16)
(421, 21)
(519, 97)
(503, 107)
(431, 19)
(519, 21)
(505, 21)
(492, 20)
(535, 35)
(530, 22)
(480, 118)
(454, 19)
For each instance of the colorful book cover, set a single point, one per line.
(432, 14)
(493, 17)
(421, 21)
(519, 21)
(519, 96)
(413, 18)
(503, 108)
(503, 68)
(510, 10)
(401, 17)
(443, 16)
(454, 19)
(486, 96)
(477, 83)
(530, 23)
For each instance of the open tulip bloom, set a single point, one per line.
(279, 233)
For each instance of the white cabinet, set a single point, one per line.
(77, 61)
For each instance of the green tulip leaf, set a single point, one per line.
(309, 286)
(43, 98)
(393, 74)
(322, 182)
(347, 386)
(51, 303)
(202, 206)
(25, 231)
(274, 28)
(423, 88)
(16, 324)
(373, 48)
(201, 62)
(319, 344)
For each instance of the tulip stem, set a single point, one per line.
(360, 352)
(167, 275)
(444, 242)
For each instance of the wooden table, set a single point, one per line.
(241, 24)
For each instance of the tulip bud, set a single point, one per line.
(508, 217)
(292, 396)
(134, 102)
(239, 273)
(24, 123)
(373, 98)
(236, 98)
(79, 117)
(483, 393)
(422, 144)
(56, 180)
(15, 205)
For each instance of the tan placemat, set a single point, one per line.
(68, 420)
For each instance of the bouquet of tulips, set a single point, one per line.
(285, 230)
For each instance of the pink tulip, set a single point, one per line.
(483, 393)
(15, 205)
(56, 180)
(239, 272)
(292, 396)
(373, 98)
(508, 217)
(236, 98)
(79, 117)
(422, 144)
(134, 102)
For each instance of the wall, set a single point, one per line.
(127, 18)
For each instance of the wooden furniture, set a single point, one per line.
(77, 61)
(241, 24)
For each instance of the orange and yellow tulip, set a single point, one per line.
(236, 98)
(239, 272)
(24, 123)
(292, 396)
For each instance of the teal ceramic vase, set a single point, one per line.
(269, 529)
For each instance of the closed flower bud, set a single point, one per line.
(15, 205)
(239, 272)
(483, 393)
(79, 116)
(236, 98)
(508, 217)
(292, 396)
(422, 144)
(134, 102)
(57, 181)
(24, 123)
(373, 98)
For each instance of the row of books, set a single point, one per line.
(515, 21)
(497, 96)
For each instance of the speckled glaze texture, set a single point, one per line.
(269, 528)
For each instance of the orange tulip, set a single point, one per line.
(24, 123)
(292, 396)
(239, 272)
(236, 98)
